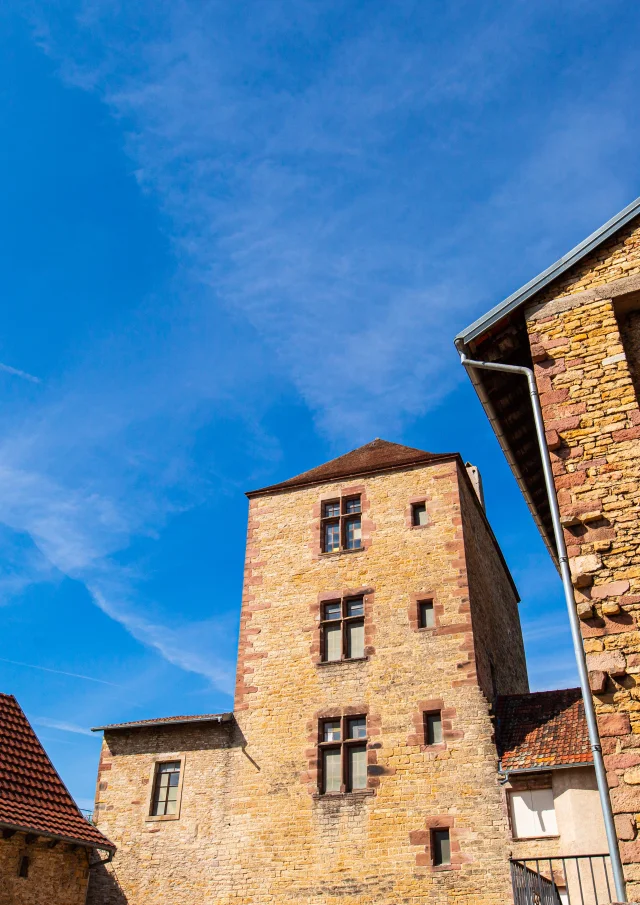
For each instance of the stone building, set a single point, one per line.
(379, 628)
(578, 326)
(47, 848)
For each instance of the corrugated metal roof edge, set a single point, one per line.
(551, 273)
(163, 721)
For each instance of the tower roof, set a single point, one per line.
(379, 455)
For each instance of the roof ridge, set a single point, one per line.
(377, 455)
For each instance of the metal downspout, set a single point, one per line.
(576, 635)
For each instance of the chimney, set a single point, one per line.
(476, 480)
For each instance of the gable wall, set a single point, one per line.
(592, 419)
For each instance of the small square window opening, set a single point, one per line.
(165, 790)
(441, 847)
(433, 728)
(426, 614)
(418, 514)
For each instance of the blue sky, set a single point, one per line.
(238, 239)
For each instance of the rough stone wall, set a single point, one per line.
(253, 828)
(172, 860)
(592, 421)
(499, 648)
(57, 875)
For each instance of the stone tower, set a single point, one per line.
(379, 620)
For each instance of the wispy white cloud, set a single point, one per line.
(61, 725)
(59, 672)
(305, 210)
(17, 373)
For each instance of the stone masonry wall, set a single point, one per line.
(57, 875)
(371, 848)
(253, 829)
(165, 860)
(592, 421)
(498, 644)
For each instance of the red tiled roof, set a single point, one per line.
(544, 729)
(163, 720)
(33, 798)
(379, 455)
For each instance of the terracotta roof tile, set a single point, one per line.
(33, 798)
(379, 455)
(544, 729)
(164, 720)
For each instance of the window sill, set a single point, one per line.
(343, 796)
(342, 552)
(419, 527)
(152, 819)
(441, 867)
(426, 628)
(340, 662)
(533, 838)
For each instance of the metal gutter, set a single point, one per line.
(506, 449)
(545, 769)
(144, 724)
(551, 273)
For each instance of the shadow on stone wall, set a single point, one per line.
(104, 888)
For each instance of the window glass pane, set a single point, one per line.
(427, 615)
(357, 727)
(355, 607)
(357, 767)
(170, 766)
(433, 726)
(331, 731)
(355, 639)
(441, 847)
(353, 533)
(332, 610)
(331, 538)
(330, 510)
(331, 770)
(172, 807)
(333, 642)
(352, 505)
(419, 513)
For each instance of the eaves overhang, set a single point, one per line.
(167, 722)
(500, 335)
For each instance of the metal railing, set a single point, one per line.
(563, 880)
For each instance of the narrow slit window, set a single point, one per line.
(165, 790)
(343, 754)
(433, 728)
(23, 867)
(441, 847)
(342, 629)
(419, 514)
(426, 614)
(342, 525)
